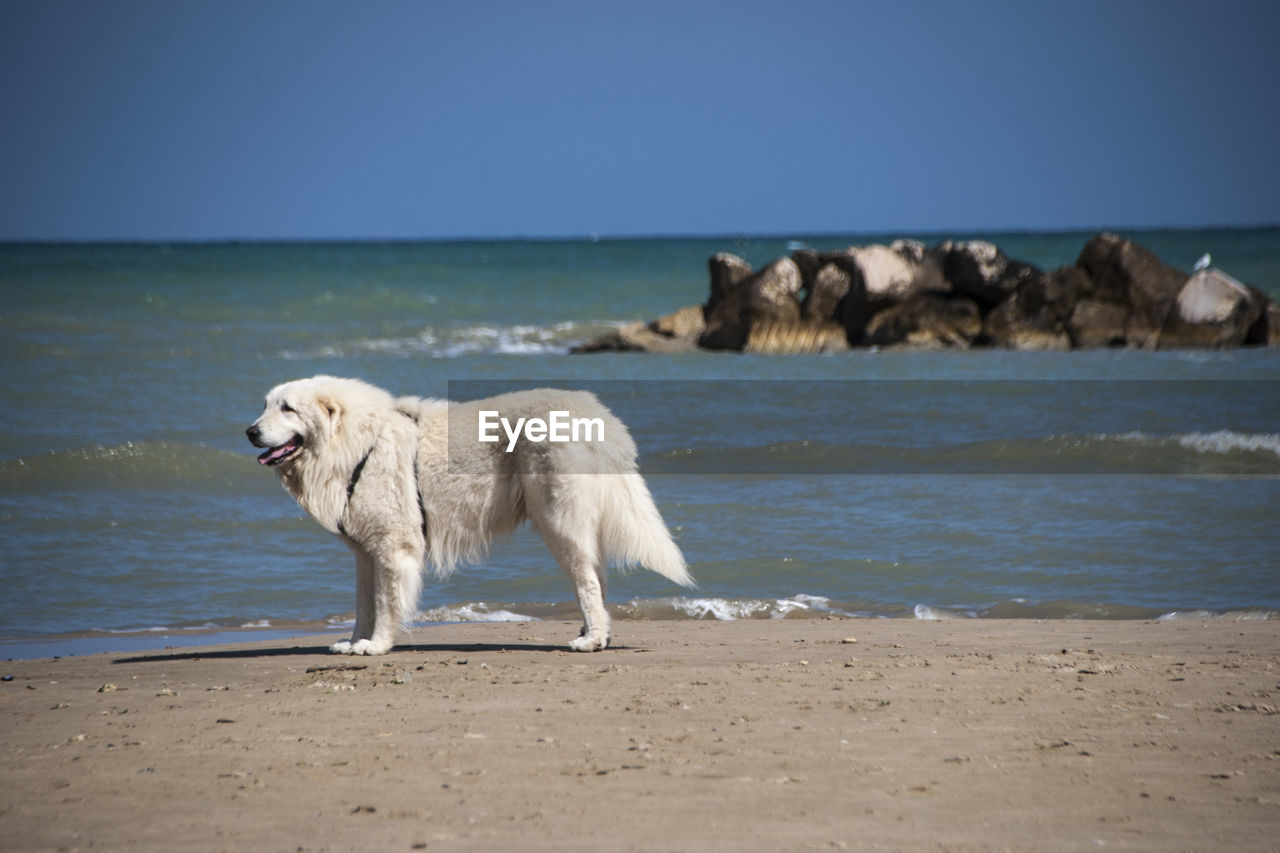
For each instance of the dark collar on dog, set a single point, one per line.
(355, 478)
(417, 485)
(417, 488)
(356, 472)
(351, 488)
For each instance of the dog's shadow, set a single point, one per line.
(303, 651)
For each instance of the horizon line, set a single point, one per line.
(603, 238)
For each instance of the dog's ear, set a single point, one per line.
(330, 409)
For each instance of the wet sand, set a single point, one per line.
(760, 735)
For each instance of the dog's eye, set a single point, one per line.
(285, 407)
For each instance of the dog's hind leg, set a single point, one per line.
(364, 602)
(581, 562)
(566, 514)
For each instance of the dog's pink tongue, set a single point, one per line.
(273, 454)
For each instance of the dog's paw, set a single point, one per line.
(589, 643)
(342, 647)
(369, 647)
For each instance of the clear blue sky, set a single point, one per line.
(264, 119)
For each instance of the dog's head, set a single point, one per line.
(299, 417)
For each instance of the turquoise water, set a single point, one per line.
(870, 483)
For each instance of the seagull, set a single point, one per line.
(1203, 263)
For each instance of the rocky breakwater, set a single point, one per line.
(958, 295)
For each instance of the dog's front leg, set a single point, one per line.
(396, 581)
(364, 603)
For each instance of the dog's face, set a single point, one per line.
(296, 417)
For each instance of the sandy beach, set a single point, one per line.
(762, 735)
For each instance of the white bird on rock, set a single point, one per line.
(1203, 263)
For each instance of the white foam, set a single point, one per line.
(1229, 615)
(161, 629)
(731, 609)
(477, 612)
(928, 613)
(453, 342)
(721, 609)
(803, 601)
(1217, 442)
(1226, 441)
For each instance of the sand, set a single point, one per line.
(750, 735)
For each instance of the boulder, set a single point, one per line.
(824, 291)
(771, 336)
(1257, 334)
(913, 250)
(981, 271)
(1212, 310)
(1126, 273)
(1266, 331)
(727, 274)
(926, 320)
(770, 294)
(1097, 323)
(775, 290)
(892, 273)
(833, 294)
(688, 322)
(635, 337)
(809, 262)
(854, 311)
(1035, 315)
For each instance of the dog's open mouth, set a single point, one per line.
(276, 455)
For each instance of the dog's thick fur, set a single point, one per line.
(403, 481)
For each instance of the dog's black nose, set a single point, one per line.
(253, 434)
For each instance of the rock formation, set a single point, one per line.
(957, 295)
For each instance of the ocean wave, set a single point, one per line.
(158, 629)
(1226, 441)
(732, 609)
(473, 612)
(1022, 609)
(1222, 452)
(726, 609)
(1219, 451)
(230, 625)
(927, 613)
(641, 609)
(457, 341)
(806, 606)
(1245, 615)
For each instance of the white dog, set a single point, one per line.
(409, 479)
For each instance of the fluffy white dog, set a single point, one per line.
(406, 480)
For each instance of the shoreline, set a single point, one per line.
(88, 643)
(97, 642)
(879, 734)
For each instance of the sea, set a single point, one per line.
(1113, 484)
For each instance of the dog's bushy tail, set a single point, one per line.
(632, 531)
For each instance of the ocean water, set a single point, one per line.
(1113, 484)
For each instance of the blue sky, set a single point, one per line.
(259, 120)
